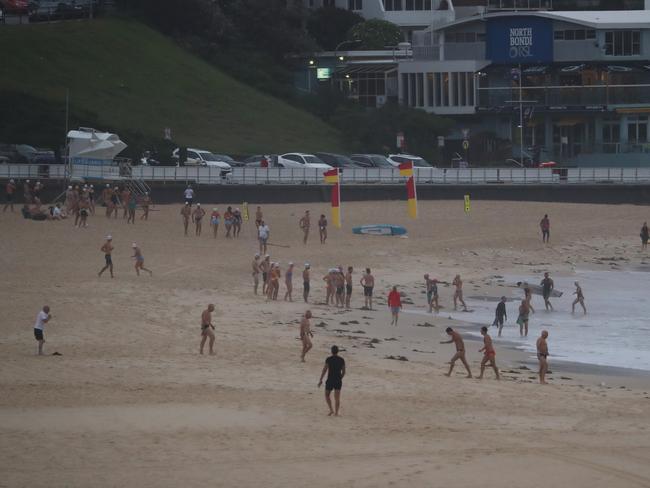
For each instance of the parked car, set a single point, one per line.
(201, 157)
(17, 7)
(337, 160)
(25, 154)
(372, 160)
(228, 159)
(301, 160)
(417, 161)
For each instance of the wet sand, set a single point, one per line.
(131, 403)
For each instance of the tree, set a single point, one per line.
(330, 26)
(376, 34)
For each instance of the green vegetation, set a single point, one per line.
(125, 77)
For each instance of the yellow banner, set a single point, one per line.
(467, 204)
(245, 210)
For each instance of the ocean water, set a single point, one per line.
(615, 331)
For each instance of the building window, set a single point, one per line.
(438, 89)
(329, 3)
(611, 136)
(623, 43)
(574, 34)
(390, 5)
(430, 90)
(410, 4)
(464, 37)
(355, 4)
(637, 129)
(420, 90)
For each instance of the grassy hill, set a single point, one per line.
(128, 78)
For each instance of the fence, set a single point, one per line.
(298, 176)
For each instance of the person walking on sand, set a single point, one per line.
(263, 234)
(145, 203)
(580, 299)
(460, 351)
(189, 195)
(126, 200)
(528, 296)
(545, 225)
(107, 249)
(645, 234)
(259, 216)
(115, 201)
(339, 287)
(10, 191)
(207, 329)
(432, 293)
(197, 218)
(547, 287)
(542, 356)
(500, 314)
(335, 369)
(348, 286)
(489, 354)
(522, 319)
(305, 224)
(329, 286)
(288, 281)
(139, 260)
(395, 305)
(256, 272)
(228, 219)
(42, 318)
(306, 283)
(133, 203)
(214, 222)
(186, 212)
(322, 228)
(368, 283)
(236, 222)
(305, 334)
(265, 268)
(458, 293)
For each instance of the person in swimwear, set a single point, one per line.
(460, 351)
(139, 260)
(207, 329)
(329, 286)
(522, 320)
(288, 281)
(645, 235)
(256, 272)
(580, 298)
(335, 370)
(432, 293)
(107, 249)
(145, 203)
(528, 295)
(542, 356)
(368, 283)
(339, 287)
(186, 212)
(306, 282)
(547, 287)
(228, 219)
(265, 267)
(305, 224)
(236, 222)
(115, 202)
(197, 218)
(489, 354)
(458, 293)
(214, 222)
(305, 335)
(10, 190)
(545, 226)
(132, 205)
(322, 228)
(348, 286)
(500, 314)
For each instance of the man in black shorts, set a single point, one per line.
(547, 287)
(335, 369)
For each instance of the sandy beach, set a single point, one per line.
(130, 402)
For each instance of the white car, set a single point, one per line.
(301, 160)
(418, 162)
(200, 157)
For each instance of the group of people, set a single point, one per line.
(305, 225)
(115, 198)
(107, 248)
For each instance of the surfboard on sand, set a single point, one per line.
(380, 230)
(537, 289)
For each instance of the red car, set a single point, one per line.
(548, 164)
(15, 6)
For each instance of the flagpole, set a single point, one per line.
(340, 202)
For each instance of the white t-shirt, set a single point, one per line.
(264, 231)
(56, 212)
(189, 193)
(40, 320)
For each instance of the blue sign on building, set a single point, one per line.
(519, 40)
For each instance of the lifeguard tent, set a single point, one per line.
(88, 146)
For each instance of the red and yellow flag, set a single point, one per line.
(412, 196)
(406, 169)
(332, 177)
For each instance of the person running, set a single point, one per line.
(547, 287)
(42, 318)
(542, 356)
(145, 203)
(305, 224)
(500, 314)
(395, 305)
(10, 190)
(207, 329)
(545, 225)
(256, 272)
(580, 299)
(236, 222)
(528, 296)
(348, 286)
(489, 354)
(186, 212)
(215, 216)
(139, 260)
(645, 234)
(368, 283)
(189, 195)
(107, 249)
(305, 334)
(259, 216)
(265, 268)
(306, 283)
(335, 369)
(228, 219)
(132, 205)
(460, 351)
(288, 281)
(197, 218)
(458, 293)
(432, 293)
(263, 234)
(322, 228)
(522, 320)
